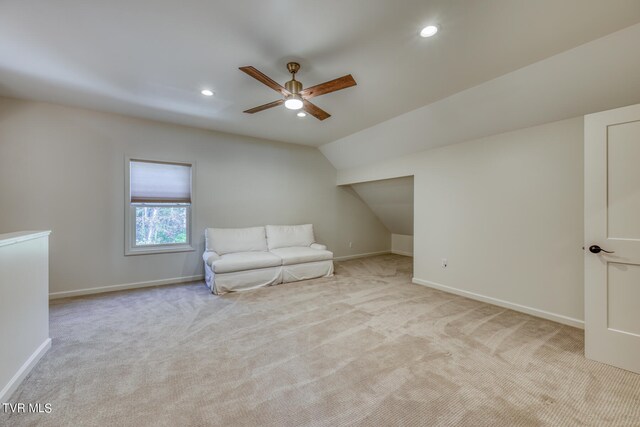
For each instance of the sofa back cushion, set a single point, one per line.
(285, 236)
(230, 240)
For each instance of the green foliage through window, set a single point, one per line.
(161, 225)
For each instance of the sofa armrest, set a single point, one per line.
(209, 257)
(318, 246)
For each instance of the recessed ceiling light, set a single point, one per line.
(206, 92)
(301, 114)
(429, 31)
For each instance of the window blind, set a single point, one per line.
(158, 182)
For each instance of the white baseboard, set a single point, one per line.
(576, 323)
(112, 288)
(24, 370)
(403, 253)
(356, 256)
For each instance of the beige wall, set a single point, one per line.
(402, 244)
(391, 200)
(506, 212)
(63, 169)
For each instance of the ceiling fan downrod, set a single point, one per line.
(293, 85)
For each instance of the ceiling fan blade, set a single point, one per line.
(315, 111)
(328, 87)
(265, 106)
(263, 78)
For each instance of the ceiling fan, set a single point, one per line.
(296, 98)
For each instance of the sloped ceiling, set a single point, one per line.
(150, 58)
(596, 76)
(391, 200)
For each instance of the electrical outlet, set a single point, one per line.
(444, 263)
(350, 244)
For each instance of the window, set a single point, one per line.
(158, 217)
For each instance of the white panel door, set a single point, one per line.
(612, 223)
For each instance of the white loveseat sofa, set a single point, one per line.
(238, 259)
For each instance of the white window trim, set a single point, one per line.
(130, 247)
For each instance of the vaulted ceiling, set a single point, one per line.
(596, 76)
(151, 58)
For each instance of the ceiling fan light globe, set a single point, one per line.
(293, 103)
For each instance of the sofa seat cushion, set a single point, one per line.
(239, 261)
(300, 254)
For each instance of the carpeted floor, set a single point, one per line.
(364, 348)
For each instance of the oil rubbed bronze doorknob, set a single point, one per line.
(595, 249)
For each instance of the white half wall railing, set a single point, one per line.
(24, 306)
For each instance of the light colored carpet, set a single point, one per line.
(364, 348)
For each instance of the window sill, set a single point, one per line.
(158, 250)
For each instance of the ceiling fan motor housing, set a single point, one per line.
(293, 86)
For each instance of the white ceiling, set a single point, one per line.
(150, 58)
(391, 200)
(597, 76)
